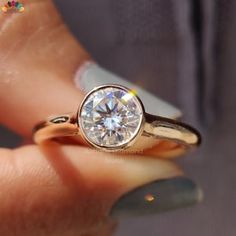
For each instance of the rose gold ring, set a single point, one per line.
(113, 118)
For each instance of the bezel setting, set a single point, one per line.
(105, 115)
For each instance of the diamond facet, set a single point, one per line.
(110, 116)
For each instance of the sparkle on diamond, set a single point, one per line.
(111, 117)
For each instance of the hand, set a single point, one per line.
(65, 190)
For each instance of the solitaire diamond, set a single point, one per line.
(110, 116)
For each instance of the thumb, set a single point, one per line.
(68, 190)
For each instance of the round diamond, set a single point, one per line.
(110, 116)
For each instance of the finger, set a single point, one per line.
(67, 190)
(39, 37)
(37, 70)
(38, 58)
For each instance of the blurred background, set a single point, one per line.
(184, 52)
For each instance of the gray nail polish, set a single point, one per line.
(158, 196)
(91, 75)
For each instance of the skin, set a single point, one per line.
(53, 189)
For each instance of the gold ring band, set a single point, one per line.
(154, 133)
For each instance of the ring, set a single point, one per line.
(113, 118)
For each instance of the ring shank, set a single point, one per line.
(164, 128)
(163, 136)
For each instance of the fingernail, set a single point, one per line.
(158, 196)
(91, 75)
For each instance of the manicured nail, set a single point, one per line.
(158, 196)
(91, 75)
